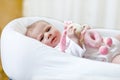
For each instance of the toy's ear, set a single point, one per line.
(63, 41)
(66, 24)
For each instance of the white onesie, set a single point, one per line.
(92, 53)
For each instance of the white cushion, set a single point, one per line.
(24, 58)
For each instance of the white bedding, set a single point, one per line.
(24, 58)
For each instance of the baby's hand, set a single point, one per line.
(71, 32)
(70, 29)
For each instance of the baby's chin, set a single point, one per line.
(55, 45)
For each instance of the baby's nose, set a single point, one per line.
(49, 35)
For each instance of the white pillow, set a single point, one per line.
(24, 58)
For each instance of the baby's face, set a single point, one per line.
(47, 34)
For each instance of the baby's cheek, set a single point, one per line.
(46, 42)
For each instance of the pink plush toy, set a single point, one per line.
(95, 40)
(63, 41)
(63, 45)
(90, 37)
(104, 49)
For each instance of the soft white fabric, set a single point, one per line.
(24, 58)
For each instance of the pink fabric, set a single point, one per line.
(63, 41)
(94, 39)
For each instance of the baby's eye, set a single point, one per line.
(42, 37)
(48, 29)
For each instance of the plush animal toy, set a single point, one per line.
(88, 37)
(67, 24)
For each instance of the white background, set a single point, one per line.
(97, 13)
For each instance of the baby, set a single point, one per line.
(49, 35)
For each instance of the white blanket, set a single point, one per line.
(24, 58)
